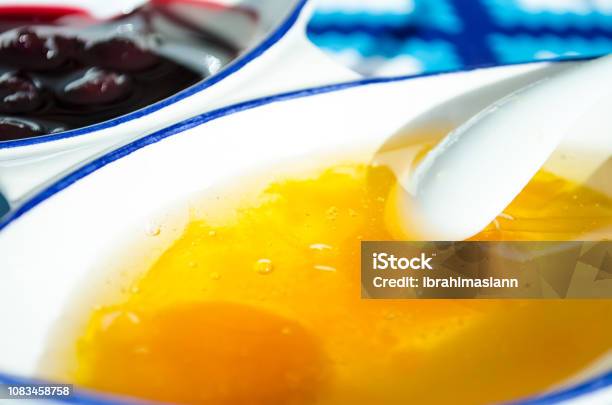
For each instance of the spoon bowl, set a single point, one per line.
(489, 157)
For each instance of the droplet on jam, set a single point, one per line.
(264, 266)
(121, 53)
(322, 267)
(332, 213)
(18, 94)
(25, 48)
(96, 86)
(320, 246)
(16, 128)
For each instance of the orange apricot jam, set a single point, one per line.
(262, 306)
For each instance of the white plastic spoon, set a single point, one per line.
(481, 166)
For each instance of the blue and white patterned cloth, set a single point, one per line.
(388, 37)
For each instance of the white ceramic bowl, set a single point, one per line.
(278, 58)
(52, 244)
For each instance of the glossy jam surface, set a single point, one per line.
(62, 70)
(260, 304)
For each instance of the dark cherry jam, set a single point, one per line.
(62, 69)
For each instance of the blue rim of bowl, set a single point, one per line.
(241, 61)
(86, 397)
